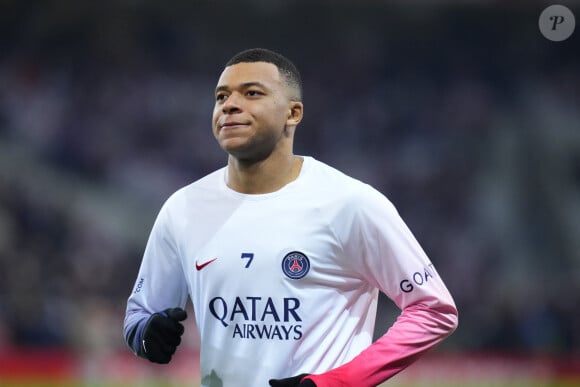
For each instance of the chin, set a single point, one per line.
(244, 149)
(248, 155)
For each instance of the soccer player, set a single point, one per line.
(282, 256)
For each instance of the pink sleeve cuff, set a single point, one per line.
(418, 329)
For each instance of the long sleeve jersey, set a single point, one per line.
(287, 282)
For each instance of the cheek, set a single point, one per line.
(282, 115)
(275, 114)
(214, 118)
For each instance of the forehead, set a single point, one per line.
(248, 72)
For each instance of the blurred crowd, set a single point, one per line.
(465, 117)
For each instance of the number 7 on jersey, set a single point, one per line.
(249, 257)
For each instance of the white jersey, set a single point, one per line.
(281, 283)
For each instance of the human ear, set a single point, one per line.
(295, 112)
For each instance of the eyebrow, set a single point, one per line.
(244, 85)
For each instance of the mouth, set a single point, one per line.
(231, 125)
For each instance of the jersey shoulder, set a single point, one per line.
(353, 197)
(337, 183)
(197, 192)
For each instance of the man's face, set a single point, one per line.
(252, 106)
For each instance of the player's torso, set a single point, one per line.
(261, 274)
(254, 275)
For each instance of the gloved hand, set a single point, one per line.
(294, 381)
(162, 335)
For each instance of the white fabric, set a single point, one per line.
(255, 322)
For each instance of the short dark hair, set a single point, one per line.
(285, 66)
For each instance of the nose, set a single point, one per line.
(231, 105)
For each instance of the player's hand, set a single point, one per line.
(162, 335)
(294, 381)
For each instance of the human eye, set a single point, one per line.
(220, 97)
(254, 93)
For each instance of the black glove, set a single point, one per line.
(162, 335)
(294, 381)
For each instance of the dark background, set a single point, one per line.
(462, 113)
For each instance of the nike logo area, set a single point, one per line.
(199, 267)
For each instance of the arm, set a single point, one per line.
(160, 284)
(419, 328)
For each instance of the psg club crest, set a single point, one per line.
(295, 265)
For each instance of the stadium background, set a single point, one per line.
(461, 112)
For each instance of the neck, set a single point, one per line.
(264, 176)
